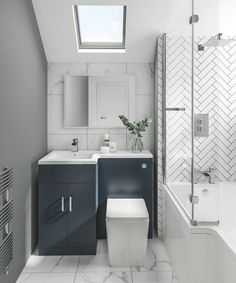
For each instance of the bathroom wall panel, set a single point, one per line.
(23, 120)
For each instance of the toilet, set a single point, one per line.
(127, 222)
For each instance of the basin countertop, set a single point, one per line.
(87, 157)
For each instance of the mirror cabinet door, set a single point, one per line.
(109, 97)
(76, 101)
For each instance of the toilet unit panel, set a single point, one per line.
(124, 178)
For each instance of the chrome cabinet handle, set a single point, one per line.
(70, 203)
(62, 204)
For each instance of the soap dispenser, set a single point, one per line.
(106, 140)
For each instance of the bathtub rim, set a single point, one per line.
(215, 231)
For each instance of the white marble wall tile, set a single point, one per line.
(63, 142)
(121, 142)
(110, 131)
(38, 264)
(46, 277)
(143, 77)
(118, 131)
(107, 68)
(95, 142)
(101, 277)
(145, 108)
(56, 72)
(98, 131)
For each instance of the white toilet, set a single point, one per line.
(127, 223)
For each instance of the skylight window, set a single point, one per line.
(100, 27)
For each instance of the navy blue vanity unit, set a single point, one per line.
(73, 193)
(67, 209)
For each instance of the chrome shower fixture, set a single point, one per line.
(215, 41)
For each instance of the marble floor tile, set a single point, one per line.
(96, 269)
(64, 264)
(46, 278)
(103, 277)
(156, 259)
(97, 263)
(153, 277)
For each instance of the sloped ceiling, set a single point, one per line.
(145, 20)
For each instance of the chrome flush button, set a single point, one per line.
(144, 166)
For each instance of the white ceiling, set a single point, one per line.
(145, 20)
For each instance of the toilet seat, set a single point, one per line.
(126, 209)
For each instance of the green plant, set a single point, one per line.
(136, 128)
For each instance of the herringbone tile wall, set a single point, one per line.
(178, 88)
(215, 94)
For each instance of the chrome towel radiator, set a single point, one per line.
(6, 215)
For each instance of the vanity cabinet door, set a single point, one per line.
(82, 217)
(52, 216)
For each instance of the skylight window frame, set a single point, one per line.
(97, 45)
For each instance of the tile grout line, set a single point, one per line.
(77, 267)
(131, 272)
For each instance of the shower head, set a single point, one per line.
(215, 41)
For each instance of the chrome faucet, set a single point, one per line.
(75, 145)
(208, 173)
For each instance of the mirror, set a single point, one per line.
(76, 101)
(98, 100)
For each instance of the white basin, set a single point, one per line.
(69, 157)
(87, 157)
(62, 155)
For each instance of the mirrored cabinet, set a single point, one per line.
(98, 100)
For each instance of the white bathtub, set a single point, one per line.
(202, 254)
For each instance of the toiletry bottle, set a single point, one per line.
(106, 140)
(112, 146)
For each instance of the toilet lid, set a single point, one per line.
(126, 209)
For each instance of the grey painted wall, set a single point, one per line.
(23, 118)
